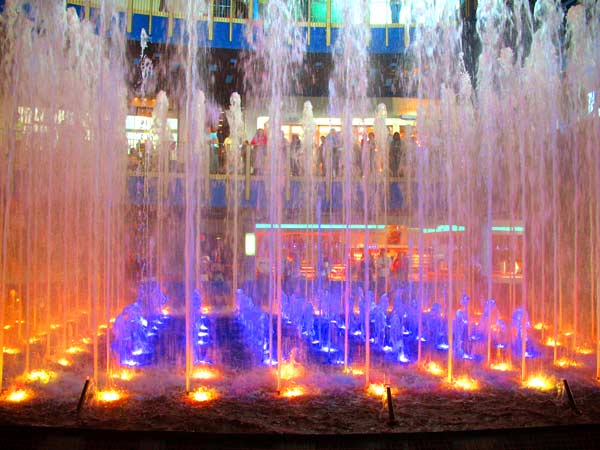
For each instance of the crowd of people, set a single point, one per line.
(326, 159)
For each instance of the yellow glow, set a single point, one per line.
(54, 326)
(165, 311)
(74, 350)
(540, 382)
(568, 333)
(108, 396)
(355, 372)
(434, 369)
(290, 370)
(64, 362)
(86, 340)
(204, 394)
(205, 310)
(466, 383)
(34, 339)
(551, 343)
(376, 390)
(41, 376)
(112, 319)
(584, 350)
(540, 326)
(103, 326)
(566, 362)
(7, 327)
(292, 392)
(502, 367)
(11, 350)
(17, 396)
(205, 373)
(124, 375)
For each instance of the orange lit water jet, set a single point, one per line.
(204, 394)
(124, 375)
(465, 383)
(109, 396)
(18, 396)
(205, 373)
(585, 350)
(564, 363)
(64, 362)
(11, 350)
(293, 392)
(39, 376)
(501, 367)
(376, 390)
(434, 369)
(540, 382)
(551, 343)
(291, 370)
(73, 350)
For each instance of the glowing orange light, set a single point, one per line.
(103, 326)
(376, 390)
(64, 362)
(54, 326)
(291, 370)
(540, 382)
(18, 395)
(540, 326)
(34, 339)
(7, 327)
(109, 396)
(566, 362)
(584, 350)
(338, 272)
(204, 394)
(466, 383)
(355, 372)
(11, 350)
(165, 311)
(205, 310)
(205, 373)
(124, 375)
(74, 350)
(293, 392)
(434, 369)
(40, 376)
(86, 340)
(502, 367)
(551, 343)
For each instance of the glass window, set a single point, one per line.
(380, 11)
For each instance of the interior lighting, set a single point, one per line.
(316, 226)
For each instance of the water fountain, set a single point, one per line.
(501, 207)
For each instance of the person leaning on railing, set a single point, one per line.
(395, 154)
(259, 148)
